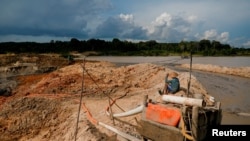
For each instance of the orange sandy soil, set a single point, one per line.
(44, 107)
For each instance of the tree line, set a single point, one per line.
(125, 48)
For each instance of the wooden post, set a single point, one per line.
(145, 98)
(190, 70)
(195, 122)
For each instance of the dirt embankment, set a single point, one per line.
(45, 106)
(239, 71)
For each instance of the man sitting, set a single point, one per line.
(172, 83)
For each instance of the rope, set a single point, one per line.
(101, 89)
(78, 114)
(89, 115)
(84, 107)
(184, 131)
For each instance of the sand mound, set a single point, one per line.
(239, 71)
(45, 106)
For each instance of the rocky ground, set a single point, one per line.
(42, 103)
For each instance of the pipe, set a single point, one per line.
(95, 122)
(244, 114)
(127, 136)
(183, 100)
(128, 113)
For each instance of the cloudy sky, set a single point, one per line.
(227, 21)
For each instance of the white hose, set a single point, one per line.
(128, 113)
(244, 114)
(127, 136)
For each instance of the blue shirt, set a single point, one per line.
(174, 83)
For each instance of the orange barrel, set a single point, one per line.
(165, 115)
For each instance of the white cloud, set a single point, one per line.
(127, 17)
(167, 27)
(163, 20)
(214, 35)
(223, 37)
(210, 34)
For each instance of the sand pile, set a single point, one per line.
(239, 71)
(45, 106)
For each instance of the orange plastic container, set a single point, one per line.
(165, 115)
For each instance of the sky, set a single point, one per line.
(227, 21)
